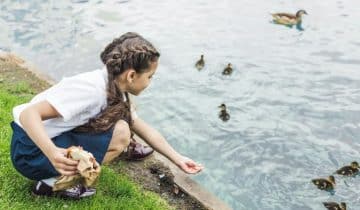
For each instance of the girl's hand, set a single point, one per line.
(189, 166)
(62, 164)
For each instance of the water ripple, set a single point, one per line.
(293, 96)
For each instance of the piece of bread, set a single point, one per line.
(88, 169)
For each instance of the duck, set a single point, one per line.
(228, 70)
(325, 184)
(335, 206)
(223, 115)
(350, 170)
(200, 63)
(288, 19)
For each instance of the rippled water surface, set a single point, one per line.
(293, 96)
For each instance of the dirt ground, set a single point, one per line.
(151, 174)
(11, 74)
(154, 176)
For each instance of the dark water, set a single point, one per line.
(293, 96)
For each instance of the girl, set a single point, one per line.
(92, 110)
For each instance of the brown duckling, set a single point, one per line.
(350, 170)
(228, 70)
(335, 206)
(325, 184)
(224, 115)
(288, 19)
(200, 63)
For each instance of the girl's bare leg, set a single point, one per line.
(119, 141)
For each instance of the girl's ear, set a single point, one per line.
(130, 75)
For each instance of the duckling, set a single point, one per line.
(200, 63)
(335, 206)
(228, 70)
(224, 115)
(288, 19)
(350, 170)
(325, 184)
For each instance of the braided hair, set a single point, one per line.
(129, 51)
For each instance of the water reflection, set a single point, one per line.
(298, 26)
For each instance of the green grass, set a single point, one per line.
(114, 191)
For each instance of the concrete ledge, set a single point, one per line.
(26, 65)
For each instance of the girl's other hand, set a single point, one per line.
(62, 164)
(189, 166)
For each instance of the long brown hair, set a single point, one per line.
(129, 51)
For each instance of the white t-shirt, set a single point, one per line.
(77, 99)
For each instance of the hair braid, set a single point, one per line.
(129, 51)
(109, 48)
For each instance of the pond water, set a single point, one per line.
(293, 96)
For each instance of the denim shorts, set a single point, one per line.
(31, 162)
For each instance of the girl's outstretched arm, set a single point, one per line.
(31, 120)
(158, 142)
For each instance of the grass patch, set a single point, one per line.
(114, 191)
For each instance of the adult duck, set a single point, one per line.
(288, 19)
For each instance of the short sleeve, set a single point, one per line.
(71, 97)
(133, 110)
(133, 114)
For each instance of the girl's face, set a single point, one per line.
(142, 80)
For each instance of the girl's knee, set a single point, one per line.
(119, 141)
(121, 134)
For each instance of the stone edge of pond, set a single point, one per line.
(181, 179)
(14, 59)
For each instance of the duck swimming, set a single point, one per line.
(325, 184)
(350, 170)
(224, 115)
(335, 206)
(228, 70)
(288, 19)
(200, 63)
